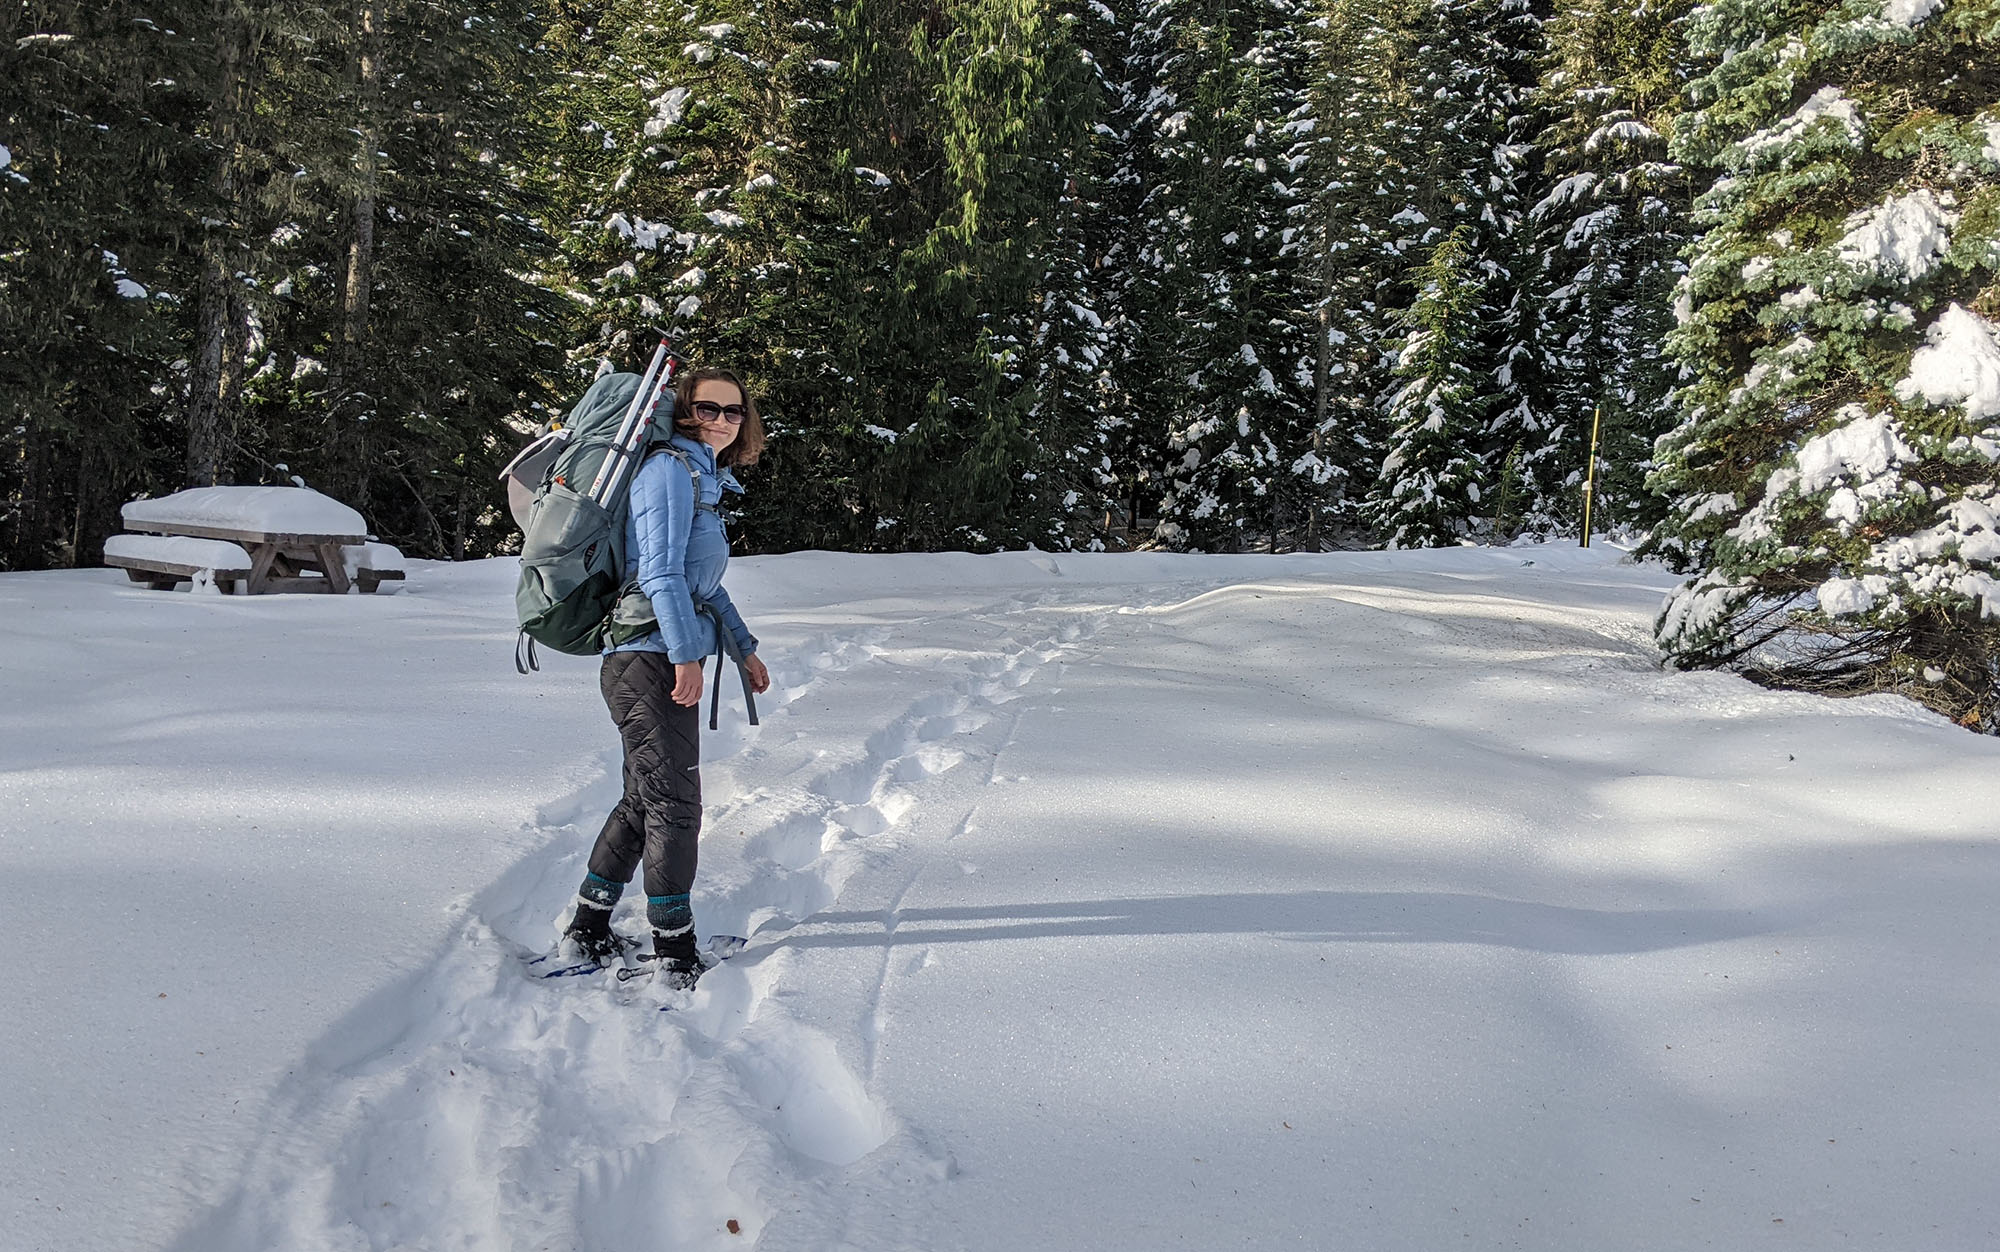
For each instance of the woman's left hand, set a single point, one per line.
(760, 678)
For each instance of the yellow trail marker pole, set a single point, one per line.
(1590, 476)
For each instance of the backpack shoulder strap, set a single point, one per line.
(687, 463)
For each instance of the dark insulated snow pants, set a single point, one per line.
(659, 818)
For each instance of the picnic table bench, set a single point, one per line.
(268, 539)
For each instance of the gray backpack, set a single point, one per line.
(573, 544)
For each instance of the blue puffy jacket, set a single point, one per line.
(678, 553)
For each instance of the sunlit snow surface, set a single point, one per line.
(1372, 901)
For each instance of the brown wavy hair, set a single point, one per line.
(749, 442)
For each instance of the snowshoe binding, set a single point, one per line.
(674, 972)
(588, 946)
(679, 968)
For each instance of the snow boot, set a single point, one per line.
(590, 929)
(676, 973)
(672, 920)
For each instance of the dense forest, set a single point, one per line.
(1265, 275)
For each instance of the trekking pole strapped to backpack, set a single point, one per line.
(633, 431)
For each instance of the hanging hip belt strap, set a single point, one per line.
(725, 646)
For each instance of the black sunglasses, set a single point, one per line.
(708, 411)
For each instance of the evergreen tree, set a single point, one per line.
(1133, 431)
(268, 141)
(1067, 356)
(1429, 484)
(1215, 310)
(658, 110)
(1466, 207)
(94, 112)
(1608, 230)
(686, 194)
(1009, 96)
(1514, 45)
(1832, 483)
(866, 214)
(1355, 165)
(191, 129)
(395, 335)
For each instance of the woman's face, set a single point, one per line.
(717, 410)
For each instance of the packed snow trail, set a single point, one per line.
(1377, 900)
(570, 1115)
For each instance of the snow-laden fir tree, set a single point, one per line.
(1134, 443)
(1069, 338)
(1307, 493)
(1281, 330)
(93, 121)
(791, 290)
(658, 105)
(1462, 85)
(1214, 308)
(1835, 482)
(992, 292)
(1350, 161)
(1607, 231)
(705, 187)
(1508, 38)
(397, 331)
(1429, 485)
(1468, 161)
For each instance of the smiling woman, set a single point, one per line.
(676, 552)
(713, 406)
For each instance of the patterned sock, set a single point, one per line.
(600, 894)
(672, 919)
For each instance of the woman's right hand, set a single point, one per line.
(687, 682)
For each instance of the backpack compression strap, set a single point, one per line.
(725, 647)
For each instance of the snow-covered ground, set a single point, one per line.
(1371, 901)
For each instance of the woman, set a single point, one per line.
(676, 551)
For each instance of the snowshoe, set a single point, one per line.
(675, 973)
(679, 973)
(582, 952)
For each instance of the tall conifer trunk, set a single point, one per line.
(1322, 362)
(361, 244)
(348, 372)
(207, 422)
(214, 380)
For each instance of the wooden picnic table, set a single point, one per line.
(258, 538)
(278, 562)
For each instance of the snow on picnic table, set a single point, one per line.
(180, 550)
(376, 556)
(267, 510)
(1384, 901)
